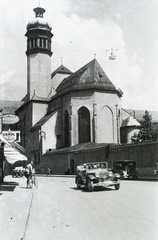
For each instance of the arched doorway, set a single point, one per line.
(84, 124)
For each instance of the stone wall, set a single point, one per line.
(63, 161)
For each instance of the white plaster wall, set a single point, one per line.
(49, 128)
(106, 117)
(39, 74)
(39, 110)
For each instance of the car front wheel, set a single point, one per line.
(77, 182)
(90, 185)
(117, 186)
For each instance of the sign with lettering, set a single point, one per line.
(11, 136)
(10, 119)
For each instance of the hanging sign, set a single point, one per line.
(10, 119)
(11, 136)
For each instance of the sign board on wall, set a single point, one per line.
(10, 118)
(11, 136)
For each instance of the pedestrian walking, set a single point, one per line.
(48, 171)
(28, 173)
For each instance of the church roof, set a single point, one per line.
(130, 122)
(62, 69)
(90, 76)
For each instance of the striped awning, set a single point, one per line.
(11, 152)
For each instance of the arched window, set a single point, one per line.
(84, 124)
(106, 125)
(66, 129)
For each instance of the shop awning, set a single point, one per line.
(12, 151)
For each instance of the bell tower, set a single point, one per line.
(38, 56)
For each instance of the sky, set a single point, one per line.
(84, 29)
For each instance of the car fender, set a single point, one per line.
(91, 177)
(78, 178)
(116, 176)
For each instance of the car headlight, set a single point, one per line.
(97, 175)
(110, 174)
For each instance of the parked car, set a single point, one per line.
(18, 172)
(126, 168)
(97, 174)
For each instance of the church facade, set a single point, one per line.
(62, 108)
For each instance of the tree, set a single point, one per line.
(147, 130)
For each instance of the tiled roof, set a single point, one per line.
(90, 76)
(10, 106)
(62, 69)
(80, 147)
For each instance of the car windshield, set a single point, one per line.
(18, 168)
(130, 164)
(96, 165)
(123, 165)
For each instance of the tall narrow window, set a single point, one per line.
(66, 129)
(40, 42)
(84, 125)
(44, 42)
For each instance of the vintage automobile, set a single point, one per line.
(18, 172)
(97, 174)
(126, 168)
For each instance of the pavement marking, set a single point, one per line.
(28, 216)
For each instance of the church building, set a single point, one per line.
(68, 118)
(64, 109)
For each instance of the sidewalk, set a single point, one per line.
(15, 202)
(148, 177)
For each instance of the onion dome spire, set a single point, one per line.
(38, 34)
(39, 12)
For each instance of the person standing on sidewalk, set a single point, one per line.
(156, 168)
(28, 173)
(48, 171)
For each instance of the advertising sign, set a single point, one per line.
(10, 119)
(11, 136)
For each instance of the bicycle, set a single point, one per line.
(33, 181)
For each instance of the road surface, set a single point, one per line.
(60, 211)
(57, 210)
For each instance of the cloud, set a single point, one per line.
(76, 40)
